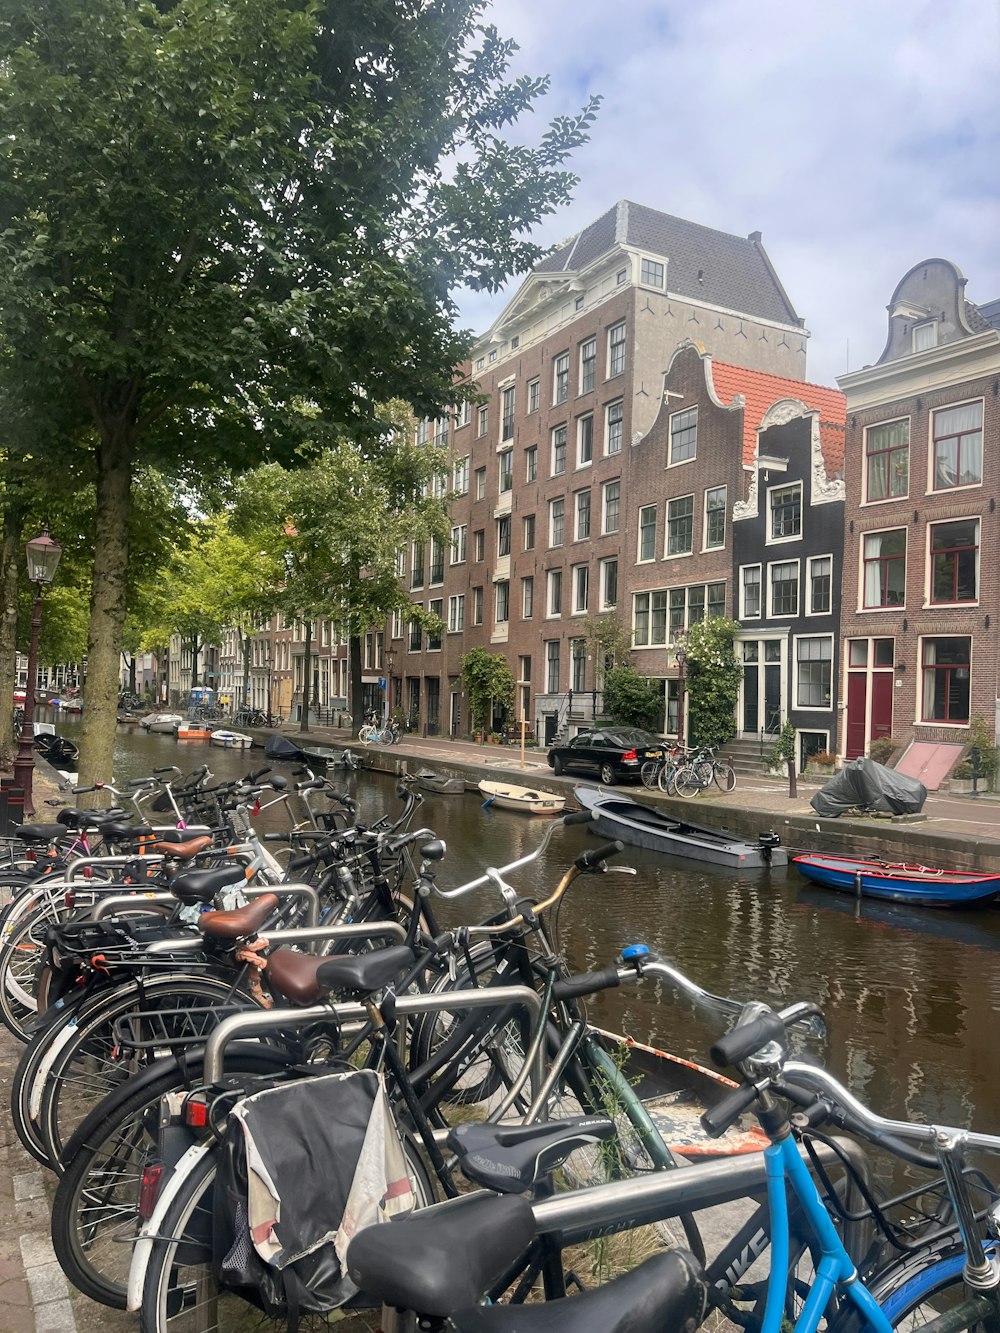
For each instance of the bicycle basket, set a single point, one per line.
(303, 1167)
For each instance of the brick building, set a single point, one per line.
(551, 493)
(921, 592)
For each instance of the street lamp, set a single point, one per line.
(680, 655)
(387, 661)
(43, 557)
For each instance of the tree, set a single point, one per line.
(489, 684)
(226, 230)
(631, 700)
(608, 639)
(713, 676)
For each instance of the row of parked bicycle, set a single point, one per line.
(685, 772)
(253, 1060)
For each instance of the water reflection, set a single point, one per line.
(910, 997)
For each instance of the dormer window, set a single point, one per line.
(924, 335)
(651, 274)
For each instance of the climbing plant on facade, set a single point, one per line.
(489, 684)
(712, 680)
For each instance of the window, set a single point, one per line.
(683, 436)
(527, 598)
(461, 476)
(814, 672)
(786, 512)
(417, 566)
(616, 350)
(588, 365)
(609, 584)
(552, 666)
(716, 600)
(945, 675)
(477, 606)
(885, 568)
(493, 356)
(560, 378)
(483, 419)
(503, 535)
(416, 637)
(581, 588)
(649, 619)
(924, 336)
(584, 441)
(437, 560)
(423, 431)
(578, 664)
(464, 413)
(614, 416)
(611, 507)
(515, 342)
(502, 602)
(533, 395)
(582, 515)
(436, 608)
(557, 516)
(480, 362)
(651, 273)
(784, 588)
(715, 518)
(553, 598)
(479, 544)
(480, 483)
(531, 463)
(401, 561)
(680, 526)
(621, 276)
(507, 413)
(506, 471)
(958, 446)
(820, 585)
(955, 561)
(396, 630)
(529, 532)
(459, 544)
(887, 460)
(558, 451)
(456, 613)
(647, 533)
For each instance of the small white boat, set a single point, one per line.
(528, 800)
(161, 722)
(231, 740)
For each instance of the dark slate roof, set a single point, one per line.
(703, 264)
(983, 317)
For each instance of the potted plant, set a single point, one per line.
(823, 761)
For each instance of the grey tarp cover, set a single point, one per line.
(280, 747)
(863, 784)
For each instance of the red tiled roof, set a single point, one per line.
(762, 391)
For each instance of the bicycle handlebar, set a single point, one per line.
(489, 877)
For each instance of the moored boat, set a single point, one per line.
(918, 885)
(529, 800)
(231, 740)
(642, 826)
(440, 783)
(193, 731)
(161, 722)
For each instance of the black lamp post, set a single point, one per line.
(387, 661)
(43, 557)
(681, 655)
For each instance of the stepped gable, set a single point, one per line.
(732, 272)
(762, 391)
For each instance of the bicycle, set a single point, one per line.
(379, 734)
(700, 770)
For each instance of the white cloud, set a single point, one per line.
(859, 138)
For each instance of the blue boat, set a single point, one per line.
(921, 886)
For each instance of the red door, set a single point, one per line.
(882, 686)
(857, 707)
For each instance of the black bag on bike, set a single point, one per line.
(75, 949)
(303, 1167)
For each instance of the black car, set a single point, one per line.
(616, 754)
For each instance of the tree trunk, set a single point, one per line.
(195, 650)
(107, 607)
(306, 677)
(245, 643)
(354, 649)
(10, 552)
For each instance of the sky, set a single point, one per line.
(860, 137)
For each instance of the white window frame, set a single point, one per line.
(507, 418)
(477, 606)
(558, 439)
(580, 460)
(460, 476)
(581, 590)
(577, 498)
(641, 559)
(605, 530)
(677, 555)
(534, 394)
(588, 343)
(482, 420)
(811, 560)
(811, 638)
(672, 426)
(715, 546)
(783, 615)
(559, 500)
(618, 405)
(528, 597)
(505, 472)
(460, 544)
(497, 588)
(617, 348)
(603, 603)
(396, 628)
(456, 613)
(553, 593)
(531, 463)
(770, 539)
(528, 518)
(480, 483)
(645, 281)
(560, 378)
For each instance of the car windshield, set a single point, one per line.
(633, 736)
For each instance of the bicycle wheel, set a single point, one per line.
(90, 1063)
(725, 776)
(916, 1290)
(94, 1213)
(650, 773)
(180, 1294)
(686, 781)
(22, 956)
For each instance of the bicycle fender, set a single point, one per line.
(143, 1248)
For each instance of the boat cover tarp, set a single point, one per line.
(280, 747)
(864, 785)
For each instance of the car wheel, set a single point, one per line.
(608, 775)
(557, 764)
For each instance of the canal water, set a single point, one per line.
(911, 997)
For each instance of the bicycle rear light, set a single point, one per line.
(152, 1177)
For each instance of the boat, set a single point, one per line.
(528, 800)
(193, 731)
(231, 740)
(323, 754)
(899, 882)
(161, 722)
(641, 826)
(439, 783)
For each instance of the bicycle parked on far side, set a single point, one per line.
(703, 769)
